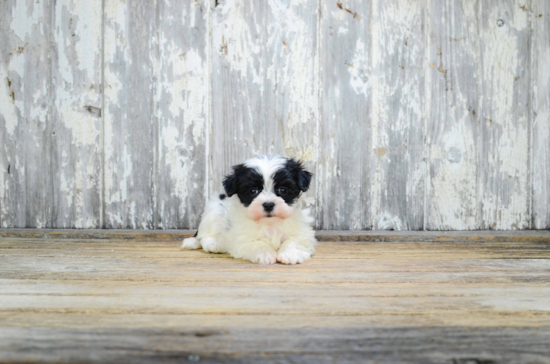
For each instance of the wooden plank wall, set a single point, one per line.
(411, 114)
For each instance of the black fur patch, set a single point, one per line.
(222, 197)
(241, 182)
(291, 180)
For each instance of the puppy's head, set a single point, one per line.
(268, 186)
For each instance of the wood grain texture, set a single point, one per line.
(540, 236)
(306, 345)
(345, 162)
(76, 163)
(264, 84)
(540, 87)
(505, 37)
(452, 105)
(398, 63)
(129, 122)
(147, 301)
(25, 114)
(182, 99)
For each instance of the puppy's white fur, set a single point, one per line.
(227, 226)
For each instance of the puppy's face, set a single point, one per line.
(268, 186)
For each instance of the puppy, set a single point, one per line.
(260, 219)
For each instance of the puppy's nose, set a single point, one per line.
(268, 206)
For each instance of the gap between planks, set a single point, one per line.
(542, 236)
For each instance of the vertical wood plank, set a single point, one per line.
(504, 118)
(264, 83)
(541, 122)
(183, 111)
(453, 105)
(76, 113)
(129, 130)
(398, 58)
(345, 145)
(25, 127)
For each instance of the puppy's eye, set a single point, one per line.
(281, 191)
(254, 191)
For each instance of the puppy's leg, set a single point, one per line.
(212, 245)
(212, 226)
(256, 251)
(291, 252)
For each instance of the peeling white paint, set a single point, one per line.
(76, 77)
(505, 199)
(358, 67)
(116, 31)
(84, 127)
(295, 73)
(186, 88)
(177, 161)
(454, 180)
(236, 44)
(343, 30)
(88, 29)
(7, 105)
(480, 169)
(386, 221)
(396, 134)
(182, 98)
(23, 18)
(17, 65)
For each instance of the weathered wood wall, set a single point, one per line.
(412, 114)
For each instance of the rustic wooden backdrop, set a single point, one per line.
(427, 114)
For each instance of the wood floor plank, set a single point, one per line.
(307, 345)
(147, 301)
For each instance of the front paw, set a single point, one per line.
(292, 256)
(190, 243)
(264, 257)
(211, 245)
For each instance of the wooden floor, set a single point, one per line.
(145, 301)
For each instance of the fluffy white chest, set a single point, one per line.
(273, 236)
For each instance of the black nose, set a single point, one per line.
(268, 206)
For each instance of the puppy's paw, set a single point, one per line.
(190, 243)
(264, 257)
(292, 256)
(210, 245)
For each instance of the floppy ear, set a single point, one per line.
(296, 168)
(304, 179)
(230, 183)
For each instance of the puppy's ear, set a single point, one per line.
(304, 179)
(230, 182)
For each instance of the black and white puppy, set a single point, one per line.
(261, 219)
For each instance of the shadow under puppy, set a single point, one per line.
(261, 220)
